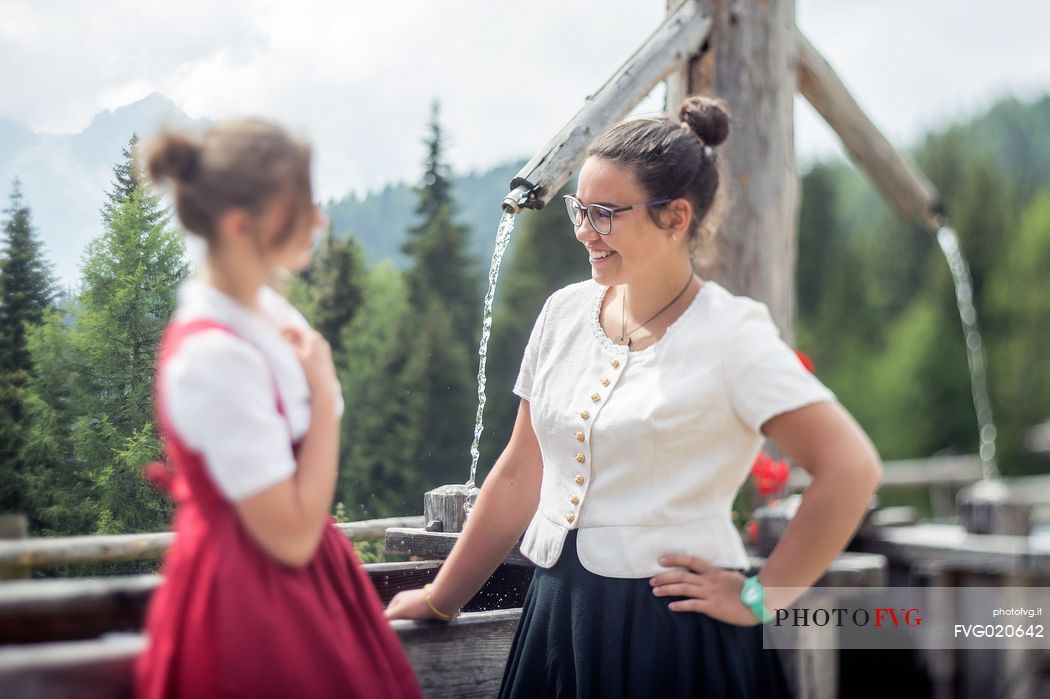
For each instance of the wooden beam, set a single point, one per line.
(98, 669)
(937, 471)
(462, 659)
(894, 174)
(677, 38)
(1036, 439)
(74, 550)
(63, 609)
(427, 545)
(950, 547)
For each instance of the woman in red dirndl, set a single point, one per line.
(248, 608)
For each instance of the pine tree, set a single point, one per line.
(434, 366)
(435, 191)
(27, 286)
(130, 276)
(12, 485)
(128, 177)
(93, 423)
(442, 268)
(59, 498)
(379, 430)
(411, 414)
(27, 289)
(337, 275)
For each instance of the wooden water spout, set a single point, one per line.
(679, 37)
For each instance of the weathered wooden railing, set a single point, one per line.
(19, 556)
(79, 637)
(941, 476)
(464, 659)
(62, 609)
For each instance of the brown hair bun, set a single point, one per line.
(707, 118)
(173, 155)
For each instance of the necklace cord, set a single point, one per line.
(624, 335)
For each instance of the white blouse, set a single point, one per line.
(219, 389)
(644, 451)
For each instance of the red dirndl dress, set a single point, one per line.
(229, 620)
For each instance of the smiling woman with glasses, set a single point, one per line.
(646, 393)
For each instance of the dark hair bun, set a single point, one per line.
(707, 118)
(173, 155)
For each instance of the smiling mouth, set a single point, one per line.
(600, 254)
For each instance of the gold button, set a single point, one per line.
(605, 382)
(575, 499)
(615, 364)
(571, 518)
(596, 397)
(586, 414)
(579, 436)
(581, 458)
(579, 480)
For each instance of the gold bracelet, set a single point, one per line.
(430, 603)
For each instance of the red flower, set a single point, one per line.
(770, 476)
(805, 359)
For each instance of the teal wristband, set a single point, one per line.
(753, 595)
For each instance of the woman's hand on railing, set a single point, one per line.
(410, 604)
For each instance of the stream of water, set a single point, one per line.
(506, 227)
(949, 242)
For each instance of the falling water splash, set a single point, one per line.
(949, 243)
(506, 227)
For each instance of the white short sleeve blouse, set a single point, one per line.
(644, 452)
(220, 390)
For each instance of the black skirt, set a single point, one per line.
(585, 635)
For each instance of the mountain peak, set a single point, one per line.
(151, 111)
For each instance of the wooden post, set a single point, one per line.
(445, 507)
(13, 525)
(988, 507)
(751, 62)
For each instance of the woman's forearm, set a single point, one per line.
(504, 507)
(288, 518)
(831, 510)
(317, 461)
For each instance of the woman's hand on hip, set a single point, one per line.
(707, 588)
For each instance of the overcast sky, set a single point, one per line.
(358, 77)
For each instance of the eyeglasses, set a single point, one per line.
(601, 216)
